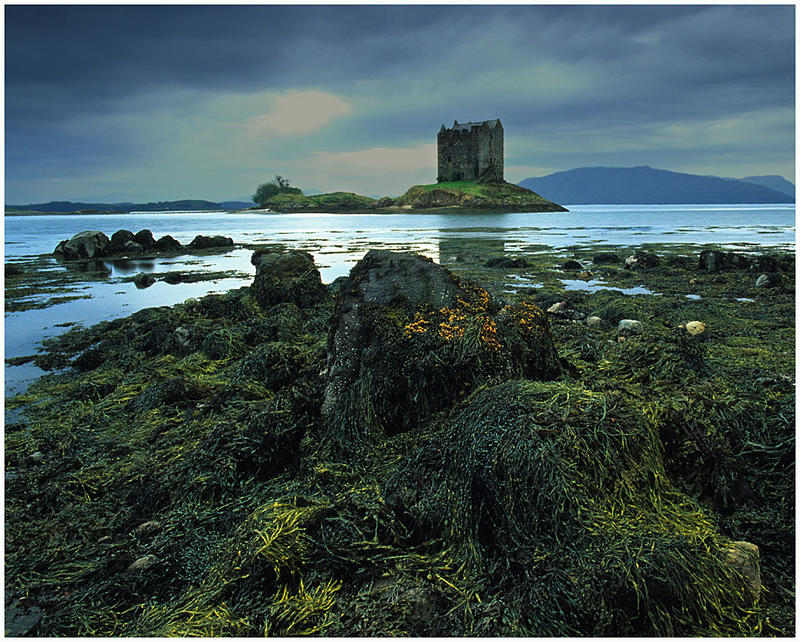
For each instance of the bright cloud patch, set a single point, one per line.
(298, 112)
(378, 159)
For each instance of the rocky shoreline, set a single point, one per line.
(419, 449)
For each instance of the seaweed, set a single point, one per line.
(536, 479)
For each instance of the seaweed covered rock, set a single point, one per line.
(561, 492)
(716, 260)
(287, 277)
(201, 242)
(408, 338)
(84, 245)
(167, 243)
(123, 241)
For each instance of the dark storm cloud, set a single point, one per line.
(101, 86)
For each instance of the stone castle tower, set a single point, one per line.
(471, 151)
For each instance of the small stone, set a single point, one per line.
(585, 275)
(743, 557)
(557, 308)
(142, 563)
(620, 339)
(147, 527)
(182, 336)
(630, 326)
(692, 281)
(695, 327)
(143, 280)
(593, 321)
(37, 456)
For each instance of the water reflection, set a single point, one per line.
(124, 267)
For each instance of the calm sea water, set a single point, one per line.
(339, 241)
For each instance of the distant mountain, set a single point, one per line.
(645, 185)
(69, 206)
(237, 205)
(778, 183)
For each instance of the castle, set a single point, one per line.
(471, 151)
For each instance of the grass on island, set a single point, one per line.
(334, 201)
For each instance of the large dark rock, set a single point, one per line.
(408, 338)
(571, 265)
(604, 258)
(167, 244)
(287, 277)
(201, 242)
(119, 239)
(84, 245)
(145, 239)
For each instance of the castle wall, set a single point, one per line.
(470, 153)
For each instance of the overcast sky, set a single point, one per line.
(112, 103)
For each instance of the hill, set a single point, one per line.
(645, 185)
(85, 208)
(778, 183)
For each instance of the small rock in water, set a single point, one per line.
(695, 327)
(630, 326)
(142, 563)
(558, 308)
(593, 321)
(143, 280)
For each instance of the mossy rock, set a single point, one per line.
(287, 277)
(408, 339)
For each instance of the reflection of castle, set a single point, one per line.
(471, 151)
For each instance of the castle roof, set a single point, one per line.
(467, 126)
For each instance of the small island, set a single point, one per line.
(441, 198)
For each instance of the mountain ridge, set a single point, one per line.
(644, 185)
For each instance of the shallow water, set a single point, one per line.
(338, 241)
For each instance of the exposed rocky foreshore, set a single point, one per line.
(418, 450)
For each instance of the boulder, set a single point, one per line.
(145, 239)
(558, 308)
(119, 239)
(201, 242)
(167, 244)
(506, 262)
(594, 321)
(408, 338)
(605, 258)
(716, 260)
(84, 245)
(143, 280)
(642, 261)
(287, 277)
(764, 263)
(571, 265)
(630, 326)
(769, 280)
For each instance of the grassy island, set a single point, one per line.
(448, 197)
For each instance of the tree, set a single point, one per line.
(279, 185)
(264, 192)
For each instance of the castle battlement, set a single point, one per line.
(470, 151)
